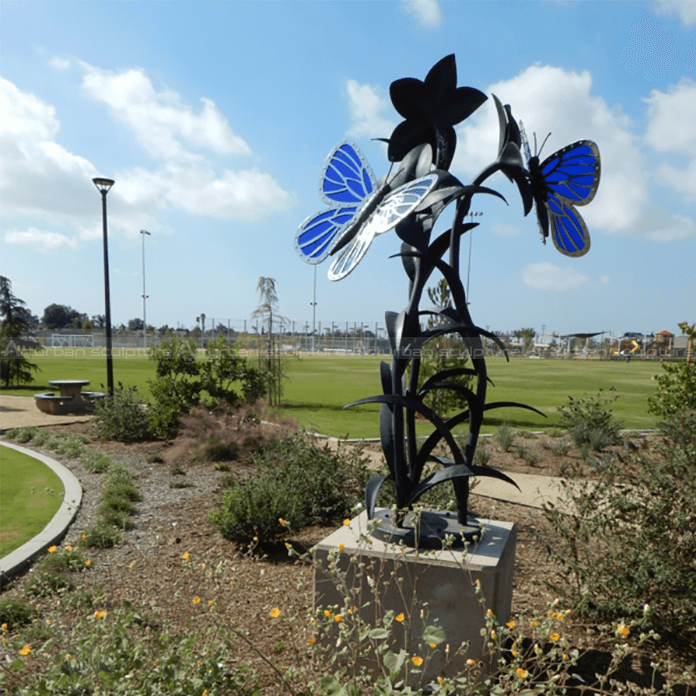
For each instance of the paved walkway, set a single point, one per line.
(21, 411)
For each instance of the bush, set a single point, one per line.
(590, 421)
(121, 416)
(298, 482)
(625, 546)
(95, 462)
(505, 435)
(15, 613)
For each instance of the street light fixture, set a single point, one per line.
(103, 185)
(143, 233)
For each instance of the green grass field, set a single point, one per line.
(30, 494)
(319, 386)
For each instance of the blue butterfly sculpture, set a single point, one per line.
(568, 178)
(361, 208)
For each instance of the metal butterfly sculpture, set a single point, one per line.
(568, 178)
(411, 201)
(361, 208)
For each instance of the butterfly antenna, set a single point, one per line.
(544, 143)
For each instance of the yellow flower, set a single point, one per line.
(282, 521)
(494, 634)
(195, 600)
(399, 617)
(4, 627)
(99, 614)
(211, 602)
(312, 641)
(25, 650)
(440, 681)
(471, 663)
(490, 614)
(521, 673)
(566, 656)
(274, 613)
(68, 656)
(417, 661)
(68, 548)
(328, 614)
(533, 624)
(623, 630)
(131, 565)
(52, 549)
(346, 523)
(510, 624)
(186, 556)
(432, 645)
(88, 563)
(560, 617)
(338, 618)
(341, 548)
(84, 537)
(514, 653)
(554, 637)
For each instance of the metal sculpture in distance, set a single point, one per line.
(410, 201)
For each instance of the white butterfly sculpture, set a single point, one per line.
(361, 207)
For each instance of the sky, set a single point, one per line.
(215, 120)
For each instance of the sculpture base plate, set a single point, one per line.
(426, 530)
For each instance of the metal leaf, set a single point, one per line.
(476, 470)
(453, 471)
(372, 491)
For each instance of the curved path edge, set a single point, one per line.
(55, 530)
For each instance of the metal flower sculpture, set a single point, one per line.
(410, 202)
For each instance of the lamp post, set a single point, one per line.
(104, 185)
(143, 233)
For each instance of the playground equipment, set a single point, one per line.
(628, 344)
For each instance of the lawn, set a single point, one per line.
(319, 386)
(30, 494)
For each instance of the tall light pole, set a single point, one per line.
(143, 233)
(314, 308)
(104, 185)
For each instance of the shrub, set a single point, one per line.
(297, 481)
(101, 535)
(591, 421)
(505, 436)
(95, 462)
(121, 416)
(15, 613)
(628, 545)
(45, 584)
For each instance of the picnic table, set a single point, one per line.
(70, 400)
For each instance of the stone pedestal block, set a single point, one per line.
(424, 585)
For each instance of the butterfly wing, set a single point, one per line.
(346, 182)
(568, 229)
(318, 233)
(347, 178)
(573, 172)
(568, 178)
(395, 207)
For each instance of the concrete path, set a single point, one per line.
(55, 529)
(22, 411)
(534, 489)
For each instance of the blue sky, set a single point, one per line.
(215, 118)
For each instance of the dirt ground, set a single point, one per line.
(220, 584)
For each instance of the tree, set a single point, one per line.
(526, 337)
(271, 365)
(135, 324)
(57, 316)
(444, 353)
(16, 324)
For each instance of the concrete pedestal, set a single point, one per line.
(405, 580)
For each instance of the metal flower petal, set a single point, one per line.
(431, 108)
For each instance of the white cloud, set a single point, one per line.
(426, 12)
(366, 104)
(557, 101)
(41, 179)
(684, 9)
(42, 241)
(59, 63)
(161, 122)
(671, 116)
(546, 276)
